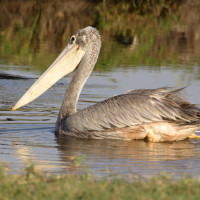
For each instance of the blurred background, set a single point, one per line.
(149, 33)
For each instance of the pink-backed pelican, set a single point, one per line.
(155, 114)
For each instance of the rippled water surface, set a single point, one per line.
(28, 133)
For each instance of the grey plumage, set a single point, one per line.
(134, 108)
(131, 112)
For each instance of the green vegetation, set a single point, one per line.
(38, 34)
(140, 33)
(36, 185)
(118, 15)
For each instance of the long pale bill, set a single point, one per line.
(66, 62)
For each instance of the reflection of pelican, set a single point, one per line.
(130, 157)
(159, 115)
(27, 155)
(130, 150)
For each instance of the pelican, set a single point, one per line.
(157, 115)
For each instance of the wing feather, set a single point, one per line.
(133, 108)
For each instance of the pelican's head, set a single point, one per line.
(86, 39)
(85, 42)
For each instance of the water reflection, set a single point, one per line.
(27, 156)
(107, 157)
(136, 150)
(28, 134)
(137, 157)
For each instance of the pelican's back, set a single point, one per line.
(133, 111)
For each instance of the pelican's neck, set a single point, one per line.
(92, 49)
(74, 89)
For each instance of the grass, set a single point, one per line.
(35, 185)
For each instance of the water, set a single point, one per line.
(165, 55)
(28, 134)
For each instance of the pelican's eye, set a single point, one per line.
(73, 39)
